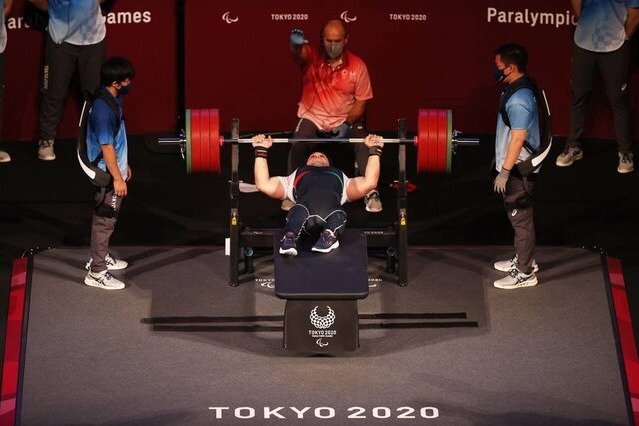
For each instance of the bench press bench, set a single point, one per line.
(321, 292)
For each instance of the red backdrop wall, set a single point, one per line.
(419, 53)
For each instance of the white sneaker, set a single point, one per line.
(373, 202)
(45, 150)
(4, 156)
(626, 163)
(103, 280)
(516, 279)
(112, 263)
(569, 156)
(510, 264)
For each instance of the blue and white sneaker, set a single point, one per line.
(326, 242)
(288, 245)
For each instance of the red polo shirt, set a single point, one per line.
(329, 94)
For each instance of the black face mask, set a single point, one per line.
(498, 74)
(124, 90)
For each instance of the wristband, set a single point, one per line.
(375, 150)
(261, 152)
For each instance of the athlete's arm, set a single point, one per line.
(270, 186)
(359, 186)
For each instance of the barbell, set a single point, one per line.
(435, 142)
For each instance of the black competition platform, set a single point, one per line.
(180, 346)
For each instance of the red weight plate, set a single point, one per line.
(433, 140)
(205, 141)
(196, 155)
(434, 144)
(214, 130)
(422, 140)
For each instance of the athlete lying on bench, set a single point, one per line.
(318, 190)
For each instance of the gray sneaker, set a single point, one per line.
(4, 156)
(45, 150)
(569, 156)
(516, 279)
(103, 280)
(373, 202)
(626, 163)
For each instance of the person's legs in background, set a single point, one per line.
(582, 76)
(59, 66)
(4, 156)
(614, 70)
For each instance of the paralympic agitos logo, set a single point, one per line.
(227, 18)
(346, 18)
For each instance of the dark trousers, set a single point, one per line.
(300, 219)
(2, 67)
(306, 129)
(521, 219)
(102, 226)
(60, 63)
(613, 67)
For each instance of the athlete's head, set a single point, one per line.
(318, 159)
(117, 71)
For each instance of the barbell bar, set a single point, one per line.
(436, 141)
(224, 140)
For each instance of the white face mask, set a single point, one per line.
(334, 50)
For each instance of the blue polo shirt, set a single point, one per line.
(77, 22)
(100, 131)
(3, 29)
(522, 113)
(601, 26)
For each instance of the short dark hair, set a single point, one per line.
(117, 69)
(513, 54)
